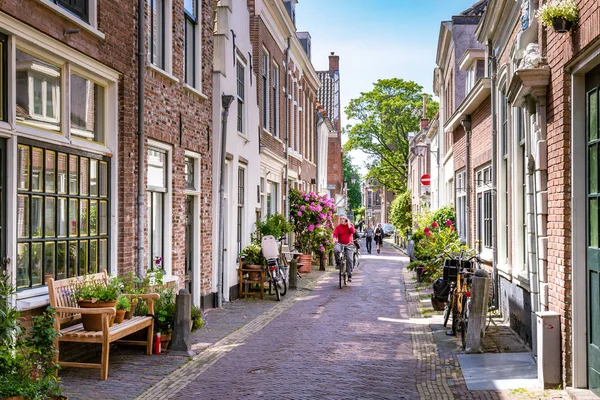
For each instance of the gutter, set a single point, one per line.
(318, 122)
(495, 282)
(141, 140)
(287, 129)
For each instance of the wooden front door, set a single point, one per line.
(592, 88)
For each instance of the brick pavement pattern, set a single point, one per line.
(366, 341)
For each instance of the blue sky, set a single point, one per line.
(376, 39)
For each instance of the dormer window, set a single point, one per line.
(473, 64)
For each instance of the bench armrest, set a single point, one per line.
(76, 310)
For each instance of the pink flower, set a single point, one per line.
(299, 213)
(311, 228)
(428, 234)
(302, 208)
(434, 224)
(318, 225)
(326, 240)
(448, 222)
(306, 198)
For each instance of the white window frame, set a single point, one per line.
(23, 36)
(196, 192)
(266, 89)
(503, 178)
(197, 84)
(168, 42)
(275, 89)
(483, 190)
(90, 26)
(168, 205)
(520, 250)
(240, 109)
(461, 204)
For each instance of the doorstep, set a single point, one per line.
(581, 394)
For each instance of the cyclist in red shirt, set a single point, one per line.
(343, 234)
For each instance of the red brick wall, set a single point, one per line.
(560, 49)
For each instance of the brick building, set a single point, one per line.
(69, 143)
(287, 97)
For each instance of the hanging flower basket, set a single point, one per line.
(562, 25)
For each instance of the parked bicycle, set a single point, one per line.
(278, 273)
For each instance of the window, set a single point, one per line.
(504, 166)
(265, 91)
(275, 101)
(156, 36)
(3, 77)
(79, 8)
(191, 42)
(87, 109)
(240, 207)
(484, 207)
(272, 198)
(157, 191)
(62, 214)
(369, 199)
(240, 97)
(522, 184)
(37, 92)
(461, 204)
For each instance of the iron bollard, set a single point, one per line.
(331, 258)
(183, 325)
(322, 262)
(293, 274)
(478, 312)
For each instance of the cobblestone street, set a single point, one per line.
(365, 341)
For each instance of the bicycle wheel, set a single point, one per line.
(341, 269)
(448, 308)
(464, 319)
(455, 318)
(282, 284)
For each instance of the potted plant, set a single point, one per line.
(96, 294)
(164, 315)
(312, 216)
(156, 272)
(133, 287)
(275, 225)
(562, 15)
(252, 258)
(123, 305)
(197, 320)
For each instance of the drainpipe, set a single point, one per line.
(226, 101)
(141, 142)
(494, 180)
(466, 123)
(287, 131)
(318, 123)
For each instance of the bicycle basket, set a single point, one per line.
(441, 289)
(438, 305)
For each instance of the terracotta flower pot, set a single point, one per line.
(254, 275)
(165, 339)
(306, 260)
(129, 314)
(119, 316)
(94, 322)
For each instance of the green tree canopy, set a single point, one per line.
(350, 170)
(385, 116)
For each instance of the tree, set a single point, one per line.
(386, 115)
(400, 213)
(354, 195)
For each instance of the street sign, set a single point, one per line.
(426, 180)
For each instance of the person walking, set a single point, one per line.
(379, 237)
(343, 235)
(369, 233)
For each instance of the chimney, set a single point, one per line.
(334, 63)
(424, 120)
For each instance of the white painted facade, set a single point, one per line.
(242, 182)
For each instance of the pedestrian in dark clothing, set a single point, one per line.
(379, 237)
(369, 233)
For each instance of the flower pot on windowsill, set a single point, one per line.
(562, 25)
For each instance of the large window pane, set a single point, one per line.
(37, 207)
(593, 115)
(61, 260)
(73, 217)
(103, 218)
(102, 255)
(23, 265)
(62, 173)
(84, 176)
(593, 223)
(36, 263)
(157, 176)
(593, 169)
(49, 261)
(156, 36)
(93, 177)
(37, 92)
(87, 109)
(23, 216)
(62, 217)
(83, 257)
(23, 159)
(73, 174)
(50, 222)
(50, 173)
(93, 265)
(155, 226)
(83, 217)
(103, 179)
(37, 177)
(73, 252)
(93, 217)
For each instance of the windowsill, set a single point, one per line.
(295, 154)
(74, 19)
(195, 91)
(244, 137)
(278, 139)
(522, 280)
(162, 72)
(265, 130)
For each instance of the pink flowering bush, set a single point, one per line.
(312, 215)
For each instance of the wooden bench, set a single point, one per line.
(68, 322)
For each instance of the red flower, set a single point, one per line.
(426, 230)
(452, 229)
(428, 234)
(448, 222)
(434, 224)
